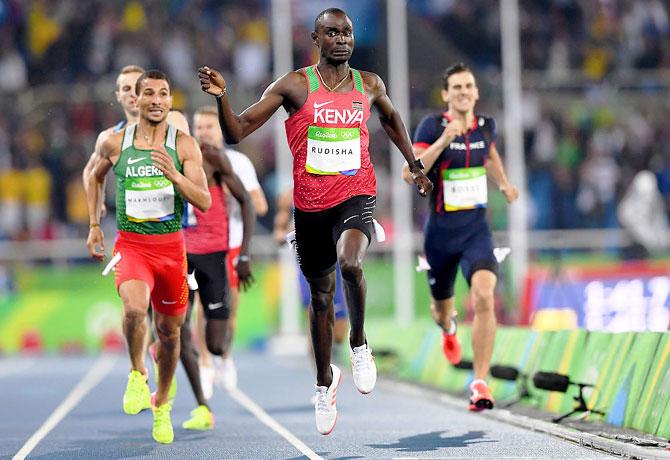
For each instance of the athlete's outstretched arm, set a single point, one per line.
(192, 184)
(237, 189)
(237, 127)
(395, 129)
(496, 170)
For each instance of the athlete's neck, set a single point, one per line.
(333, 73)
(467, 118)
(130, 119)
(152, 133)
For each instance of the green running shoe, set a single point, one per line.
(162, 431)
(137, 396)
(201, 419)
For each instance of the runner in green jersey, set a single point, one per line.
(156, 168)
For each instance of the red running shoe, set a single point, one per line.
(451, 347)
(480, 396)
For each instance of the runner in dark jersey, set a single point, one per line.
(458, 150)
(334, 184)
(206, 235)
(156, 168)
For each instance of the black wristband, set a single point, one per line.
(416, 164)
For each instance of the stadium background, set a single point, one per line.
(595, 108)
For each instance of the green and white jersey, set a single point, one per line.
(146, 201)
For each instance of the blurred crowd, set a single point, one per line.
(595, 91)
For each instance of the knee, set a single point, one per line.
(167, 332)
(214, 347)
(352, 269)
(482, 298)
(134, 316)
(322, 299)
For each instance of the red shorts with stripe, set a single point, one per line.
(159, 261)
(231, 266)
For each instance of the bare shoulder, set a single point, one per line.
(109, 143)
(289, 83)
(373, 82)
(187, 146)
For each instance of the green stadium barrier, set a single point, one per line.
(654, 402)
(607, 384)
(623, 389)
(573, 342)
(74, 308)
(631, 371)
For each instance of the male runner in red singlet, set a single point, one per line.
(207, 243)
(334, 184)
(156, 168)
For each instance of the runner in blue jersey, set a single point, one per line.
(458, 151)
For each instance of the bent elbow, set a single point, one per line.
(231, 139)
(205, 203)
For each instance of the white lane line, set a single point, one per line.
(15, 366)
(246, 402)
(99, 370)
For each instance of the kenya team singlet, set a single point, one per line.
(328, 137)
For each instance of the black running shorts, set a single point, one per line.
(317, 233)
(210, 273)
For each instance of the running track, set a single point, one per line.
(70, 407)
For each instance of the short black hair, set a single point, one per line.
(320, 16)
(153, 74)
(454, 69)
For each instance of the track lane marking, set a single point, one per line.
(98, 371)
(246, 402)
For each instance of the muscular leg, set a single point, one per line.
(351, 249)
(167, 352)
(321, 319)
(135, 297)
(482, 287)
(442, 312)
(188, 355)
(232, 321)
(205, 357)
(215, 335)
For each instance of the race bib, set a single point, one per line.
(464, 188)
(149, 199)
(333, 150)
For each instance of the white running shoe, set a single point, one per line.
(207, 381)
(325, 408)
(225, 373)
(363, 368)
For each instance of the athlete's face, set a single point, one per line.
(462, 93)
(335, 37)
(154, 100)
(207, 130)
(125, 92)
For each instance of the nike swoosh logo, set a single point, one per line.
(132, 161)
(349, 218)
(167, 302)
(318, 106)
(214, 306)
